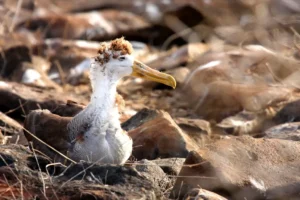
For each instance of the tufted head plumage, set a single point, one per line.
(113, 49)
(115, 61)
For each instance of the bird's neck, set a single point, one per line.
(102, 104)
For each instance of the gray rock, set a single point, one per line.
(287, 131)
(152, 172)
(170, 166)
(78, 181)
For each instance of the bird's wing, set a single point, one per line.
(79, 125)
(51, 129)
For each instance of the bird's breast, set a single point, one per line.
(109, 146)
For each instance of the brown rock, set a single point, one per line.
(102, 25)
(157, 135)
(128, 5)
(176, 57)
(194, 125)
(248, 123)
(14, 54)
(243, 167)
(65, 54)
(235, 80)
(49, 128)
(24, 98)
(201, 194)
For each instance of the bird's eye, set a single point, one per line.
(121, 58)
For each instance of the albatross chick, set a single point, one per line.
(94, 134)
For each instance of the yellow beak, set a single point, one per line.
(143, 71)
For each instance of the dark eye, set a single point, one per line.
(121, 58)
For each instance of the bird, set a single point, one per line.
(94, 134)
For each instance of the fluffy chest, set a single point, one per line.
(109, 146)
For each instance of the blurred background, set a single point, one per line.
(236, 62)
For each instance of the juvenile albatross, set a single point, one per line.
(95, 134)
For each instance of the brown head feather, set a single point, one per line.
(114, 49)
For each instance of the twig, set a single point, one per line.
(10, 168)
(199, 177)
(15, 16)
(15, 175)
(21, 188)
(61, 72)
(41, 175)
(171, 165)
(24, 113)
(53, 164)
(8, 189)
(12, 193)
(13, 110)
(4, 61)
(105, 180)
(52, 148)
(84, 170)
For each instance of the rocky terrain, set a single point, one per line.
(230, 130)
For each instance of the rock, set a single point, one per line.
(152, 10)
(24, 98)
(243, 167)
(289, 113)
(201, 194)
(216, 88)
(171, 166)
(157, 135)
(153, 172)
(177, 57)
(13, 55)
(64, 55)
(194, 125)
(103, 25)
(140, 118)
(161, 172)
(214, 104)
(19, 168)
(287, 131)
(117, 181)
(34, 72)
(248, 123)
